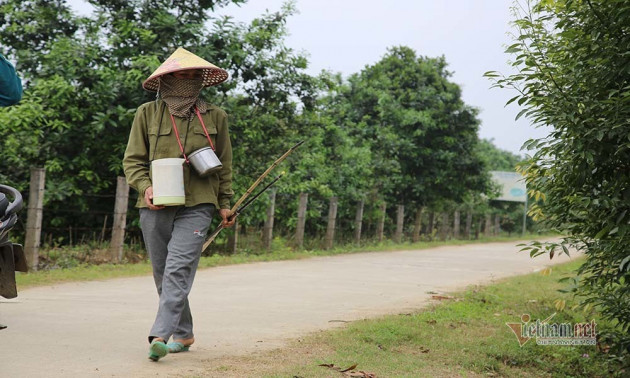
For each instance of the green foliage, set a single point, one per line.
(397, 131)
(421, 134)
(83, 78)
(496, 159)
(575, 77)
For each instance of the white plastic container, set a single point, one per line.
(168, 182)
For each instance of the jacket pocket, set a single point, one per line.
(165, 129)
(159, 145)
(210, 126)
(200, 139)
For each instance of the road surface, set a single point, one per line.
(99, 328)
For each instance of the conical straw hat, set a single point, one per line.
(181, 60)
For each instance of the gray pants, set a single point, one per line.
(174, 237)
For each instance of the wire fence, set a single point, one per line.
(104, 224)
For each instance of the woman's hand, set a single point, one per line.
(224, 214)
(148, 198)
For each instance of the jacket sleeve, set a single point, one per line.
(10, 84)
(136, 159)
(224, 149)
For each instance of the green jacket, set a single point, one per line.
(141, 150)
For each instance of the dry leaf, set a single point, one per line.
(560, 304)
(350, 368)
(360, 374)
(332, 366)
(441, 297)
(348, 373)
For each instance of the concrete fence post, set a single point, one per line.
(301, 221)
(456, 224)
(120, 220)
(268, 228)
(400, 218)
(417, 225)
(358, 222)
(330, 229)
(380, 227)
(469, 217)
(487, 230)
(34, 217)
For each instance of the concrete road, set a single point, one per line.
(99, 328)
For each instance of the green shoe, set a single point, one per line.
(176, 347)
(157, 350)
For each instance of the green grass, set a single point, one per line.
(466, 336)
(67, 265)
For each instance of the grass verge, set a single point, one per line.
(465, 336)
(280, 251)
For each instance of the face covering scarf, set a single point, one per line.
(180, 95)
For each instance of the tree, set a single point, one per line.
(422, 136)
(83, 78)
(496, 159)
(574, 76)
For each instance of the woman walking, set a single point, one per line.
(177, 124)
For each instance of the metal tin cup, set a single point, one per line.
(205, 161)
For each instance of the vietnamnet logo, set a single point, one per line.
(547, 333)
